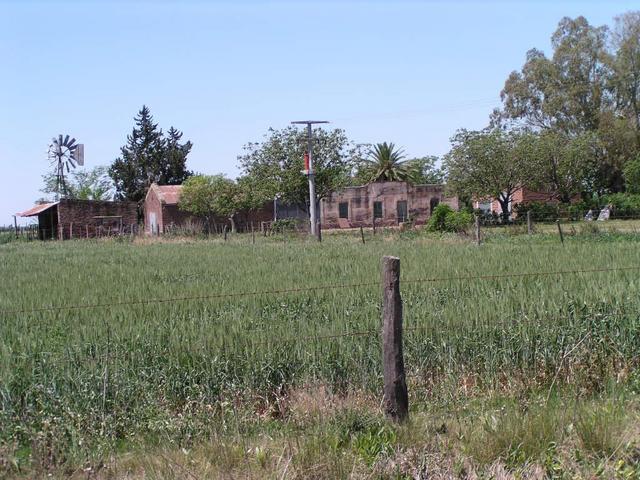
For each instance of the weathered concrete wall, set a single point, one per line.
(421, 199)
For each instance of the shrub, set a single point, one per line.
(631, 174)
(445, 219)
(623, 204)
(288, 224)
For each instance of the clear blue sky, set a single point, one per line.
(224, 72)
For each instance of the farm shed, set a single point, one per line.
(72, 218)
(162, 212)
(389, 203)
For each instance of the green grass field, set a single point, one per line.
(505, 374)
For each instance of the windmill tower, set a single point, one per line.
(64, 154)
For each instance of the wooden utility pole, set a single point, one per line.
(396, 399)
(560, 231)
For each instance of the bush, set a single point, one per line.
(445, 219)
(623, 204)
(288, 224)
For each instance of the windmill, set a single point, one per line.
(64, 154)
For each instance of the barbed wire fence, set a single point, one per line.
(395, 398)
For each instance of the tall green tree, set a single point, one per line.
(564, 165)
(625, 80)
(425, 171)
(149, 157)
(489, 164)
(275, 164)
(566, 92)
(93, 184)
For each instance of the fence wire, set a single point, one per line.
(311, 289)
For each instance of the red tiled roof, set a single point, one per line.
(169, 194)
(33, 211)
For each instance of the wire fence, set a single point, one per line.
(316, 288)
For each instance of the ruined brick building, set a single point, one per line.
(389, 203)
(72, 218)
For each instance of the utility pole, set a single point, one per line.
(310, 173)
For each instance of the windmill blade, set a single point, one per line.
(71, 145)
(60, 142)
(66, 141)
(71, 162)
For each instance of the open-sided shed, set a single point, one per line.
(71, 218)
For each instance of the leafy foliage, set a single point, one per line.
(445, 219)
(275, 164)
(632, 175)
(149, 157)
(386, 163)
(489, 164)
(93, 184)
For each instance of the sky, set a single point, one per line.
(407, 72)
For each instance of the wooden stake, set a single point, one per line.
(374, 225)
(560, 231)
(529, 225)
(396, 399)
(319, 231)
(362, 234)
(224, 230)
(253, 235)
(477, 229)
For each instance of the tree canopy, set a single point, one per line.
(274, 165)
(149, 157)
(93, 184)
(491, 163)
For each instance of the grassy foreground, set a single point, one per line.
(535, 376)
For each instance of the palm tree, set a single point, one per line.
(386, 164)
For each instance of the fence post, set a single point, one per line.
(224, 230)
(362, 234)
(319, 231)
(560, 231)
(15, 225)
(529, 225)
(253, 234)
(477, 229)
(396, 399)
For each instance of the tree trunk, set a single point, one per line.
(504, 205)
(233, 223)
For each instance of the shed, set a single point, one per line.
(73, 218)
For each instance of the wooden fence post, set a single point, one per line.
(374, 224)
(224, 230)
(362, 234)
(253, 234)
(15, 225)
(529, 225)
(560, 231)
(319, 231)
(396, 399)
(477, 229)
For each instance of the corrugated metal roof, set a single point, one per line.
(169, 194)
(33, 211)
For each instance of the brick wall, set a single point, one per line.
(79, 217)
(420, 199)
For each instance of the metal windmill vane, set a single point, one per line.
(65, 154)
